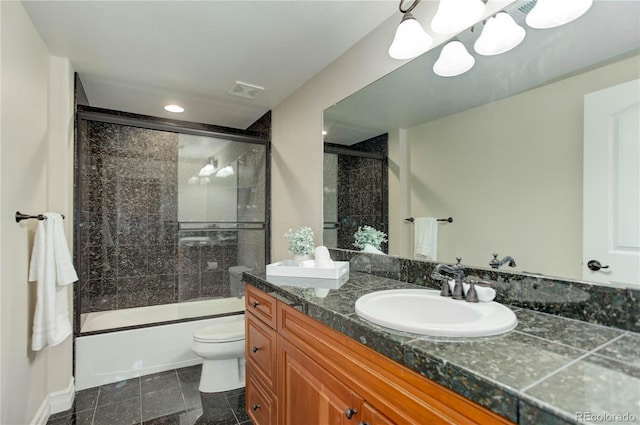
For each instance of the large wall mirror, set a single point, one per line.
(500, 149)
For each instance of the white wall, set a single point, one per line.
(36, 176)
(510, 173)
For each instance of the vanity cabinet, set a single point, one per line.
(320, 376)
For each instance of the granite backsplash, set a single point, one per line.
(580, 300)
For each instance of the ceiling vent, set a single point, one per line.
(248, 91)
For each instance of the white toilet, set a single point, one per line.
(221, 347)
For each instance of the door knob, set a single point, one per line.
(595, 265)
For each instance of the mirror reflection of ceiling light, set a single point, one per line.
(225, 171)
(205, 180)
(553, 13)
(208, 168)
(454, 60)
(499, 35)
(454, 16)
(193, 180)
(174, 108)
(410, 40)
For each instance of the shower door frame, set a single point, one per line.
(88, 113)
(332, 148)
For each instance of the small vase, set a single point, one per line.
(300, 257)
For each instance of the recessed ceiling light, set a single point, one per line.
(174, 108)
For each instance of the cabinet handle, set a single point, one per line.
(350, 412)
(255, 407)
(363, 423)
(255, 304)
(255, 349)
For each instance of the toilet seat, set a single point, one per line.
(223, 332)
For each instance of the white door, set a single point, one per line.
(611, 221)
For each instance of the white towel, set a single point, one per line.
(323, 259)
(425, 238)
(485, 294)
(51, 266)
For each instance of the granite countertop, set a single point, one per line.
(549, 370)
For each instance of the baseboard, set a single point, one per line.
(55, 402)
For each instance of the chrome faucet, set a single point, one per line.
(457, 271)
(496, 264)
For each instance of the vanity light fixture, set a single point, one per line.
(209, 167)
(410, 40)
(499, 35)
(454, 60)
(174, 108)
(553, 13)
(454, 16)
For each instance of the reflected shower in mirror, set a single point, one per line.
(499, 148)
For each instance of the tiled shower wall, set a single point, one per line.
(362, 191)
(130, 249)
(128, 216)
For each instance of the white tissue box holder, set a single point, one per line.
(290, 269)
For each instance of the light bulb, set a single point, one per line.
(454, 60)
(553, 13)
(454, 16)
(500, 34)
(410, 40)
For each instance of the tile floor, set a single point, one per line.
(165, 398)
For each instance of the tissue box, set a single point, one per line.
(288, 268)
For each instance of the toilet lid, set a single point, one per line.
(225, 331)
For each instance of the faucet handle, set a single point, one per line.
(472, 295)
(445, 291)
(458, 259)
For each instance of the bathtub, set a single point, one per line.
(141, 348)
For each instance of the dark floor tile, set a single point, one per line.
(159, 381)
(119, 391)
(214, 402)
(190, 375)
(80, 418)
(161, 403)
(206, 420)
(86, 399)
(125, 412)
(237, 403)
(180, 418)
(191, 396)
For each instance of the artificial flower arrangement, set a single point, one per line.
(300, 241)
(367, 235)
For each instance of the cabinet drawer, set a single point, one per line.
(262, 406)
(261, 350)
(261, 304)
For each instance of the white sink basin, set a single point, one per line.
(425, 312)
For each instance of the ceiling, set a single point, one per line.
(137, 56)
(413, 94)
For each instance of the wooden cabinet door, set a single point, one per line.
(311, 396)
(371, 416)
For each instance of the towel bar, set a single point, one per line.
(448, 220)
(20, 216)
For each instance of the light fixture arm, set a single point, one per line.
(410, 8)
